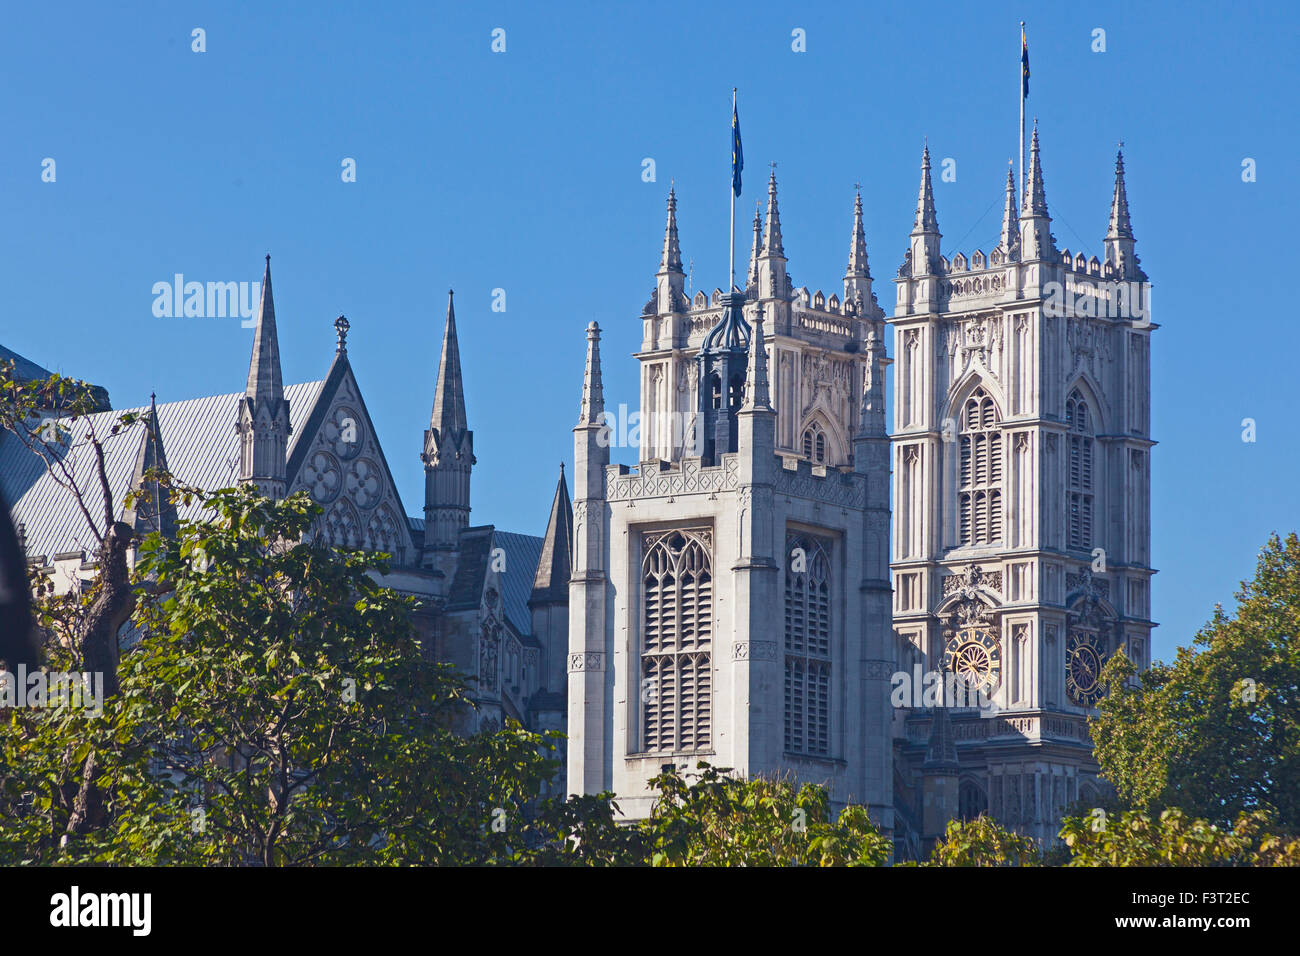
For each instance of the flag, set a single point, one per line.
(1024, 64)
(737, 156)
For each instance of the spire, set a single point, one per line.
(772, 234)
(772, 279)
(1035, 223)
(757, 393)
(448, 454)
(1119, 243)
(858, 267)
(1120, 227)
(593, 392)
(924, 245)
(757, 248)
(153, 510)
(1035, 195)
(1010, 240)
(265, 384)
(448, 417)
(551, 583)
(263, 416)
(927, 221)
(671, 261)
(941, 750)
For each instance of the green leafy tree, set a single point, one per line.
(1135, 838)
(722, 820)
(279, 710)
(1217, 732)
(983, 842)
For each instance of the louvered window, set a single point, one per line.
(1080, 490)
(807, 646)
(676, 655)
(980, 472)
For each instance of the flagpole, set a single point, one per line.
(1020, 171)
(731, 191)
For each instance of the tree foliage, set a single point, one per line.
(1217, 732)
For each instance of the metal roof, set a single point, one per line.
(200, 442)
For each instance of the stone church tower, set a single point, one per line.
(1021, 538)
(729, 598)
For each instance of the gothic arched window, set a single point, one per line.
(814, 444)
(1079, 480)
(980, 492)
(807, 646)
(676, 689)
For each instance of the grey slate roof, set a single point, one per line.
(201, 445)
(521, 554)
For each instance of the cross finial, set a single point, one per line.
(341, 326)
(773, 165)
(857, 187)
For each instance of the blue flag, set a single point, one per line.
(1024, 65)
(737, 156)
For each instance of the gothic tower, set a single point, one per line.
(448, 454)
(1021, 544)
(730, 594)
(263, 422)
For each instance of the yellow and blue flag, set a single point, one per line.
(737, 156)
(1024, 64)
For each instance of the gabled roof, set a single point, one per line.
(521, 552)
(202, 450)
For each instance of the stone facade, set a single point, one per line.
(730, 598)
(1021, 533)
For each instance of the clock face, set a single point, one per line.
(975, 653)
(1083, 661)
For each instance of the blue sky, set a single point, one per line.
(522, 171)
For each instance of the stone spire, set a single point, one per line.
(925, 232)
(857, 277)
(757, 250)
(263, 415)
(1035, 194)
(772, 234)
(927, 220)
(1119, 235)
(153, 510)
(1035, 222)
(757, 391)
(671, 261)
(551, 583)
(593, 391)
(448, 450)
(771, 259)
(1010, 239)
(670, 280)
(449, 395)
(264, 380)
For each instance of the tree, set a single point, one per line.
(983, 842)
(721, 820)
(1172, 838)
(1217, 732)
(54, 419)
(278, 710)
